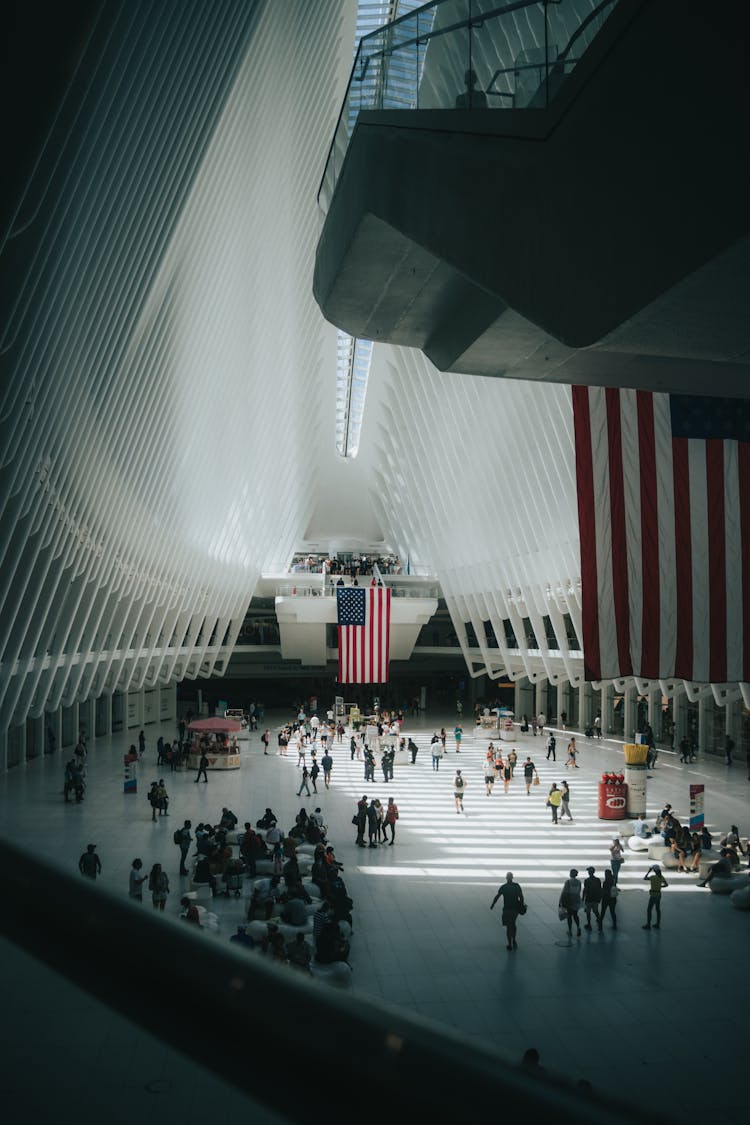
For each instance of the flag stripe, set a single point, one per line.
(717, 562)
(733, 561)
(632, 508)
(619, 545)
(649, 537)
(699, 545)
(743, 463)
(683, 560)
(664, 504)
(588, 537)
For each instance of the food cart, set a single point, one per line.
(217, 739)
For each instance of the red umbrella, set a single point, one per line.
(217, 725)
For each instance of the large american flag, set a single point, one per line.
(364, 617)
(664, 519)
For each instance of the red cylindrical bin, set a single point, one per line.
(613, 797)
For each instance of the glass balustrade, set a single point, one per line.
(465, 54)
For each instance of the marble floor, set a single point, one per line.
(646, 1014)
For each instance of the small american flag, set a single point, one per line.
(664, 518)
(364, 618)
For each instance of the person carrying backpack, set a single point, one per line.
(459, 785)
(183, 839)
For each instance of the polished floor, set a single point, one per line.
(647, 1014)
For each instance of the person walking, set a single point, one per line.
(551, 745)
(529, 773)
(183, 839)
(572, 752)
(458, 733)
(304, 783)
(489, 774)
(314, 773)
(565, 801)
(656, 881)
(616, 858)
(459, 785)
(554, 800)
(136, 881)
(202, 767)
(436, 750)
(89, 864)
(570, 901)
(513, 905)
(265, 739)
(609, 898)
(391, 816)
(327, 763)
(592, 896)
(158, 884)
(507, 774)
(141, 744)
(413, 750)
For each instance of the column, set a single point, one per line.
(706, 723)
(679, 713)
(608, 708)
(629, 707)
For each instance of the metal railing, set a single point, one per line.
(465, 54)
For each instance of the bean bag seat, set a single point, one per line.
(725, 884)
(741, 899)
(288, 931)
(200, 892)
(209, 921)
(657, 851)
(234, 837)
(638, 844)
(338, 973)
(669, 860)
(313, 890)
(707, 860)
(625, 828)
(257, 930)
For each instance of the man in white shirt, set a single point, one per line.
(640, 828)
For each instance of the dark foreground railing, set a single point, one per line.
(123, 955)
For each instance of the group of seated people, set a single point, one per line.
(284, 886)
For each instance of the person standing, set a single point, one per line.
(327, 763)
(551, 745)
(373, 828)
(572, 752)
(141, 744)
(202, 767)
(541, 719)
(513, 905)
(565, 801)
(459, 708)
(413, 750)
(570, 901)
(592, 896)
(529, 772)
(459, 785)
(304, 783)
(458, 733)
(360, 819)
(391, 816)
(265, 739)
(507, 774)
(158, 884)
(728, 748)
(162, 798)
(598, 727)
(554, 800)
(609, 898)
(437, 751)
(489, 773)
(89, 864)
(183, 839)
(136, 881)
(656, 881)
(616, 858)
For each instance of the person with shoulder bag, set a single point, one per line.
(513, 905)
